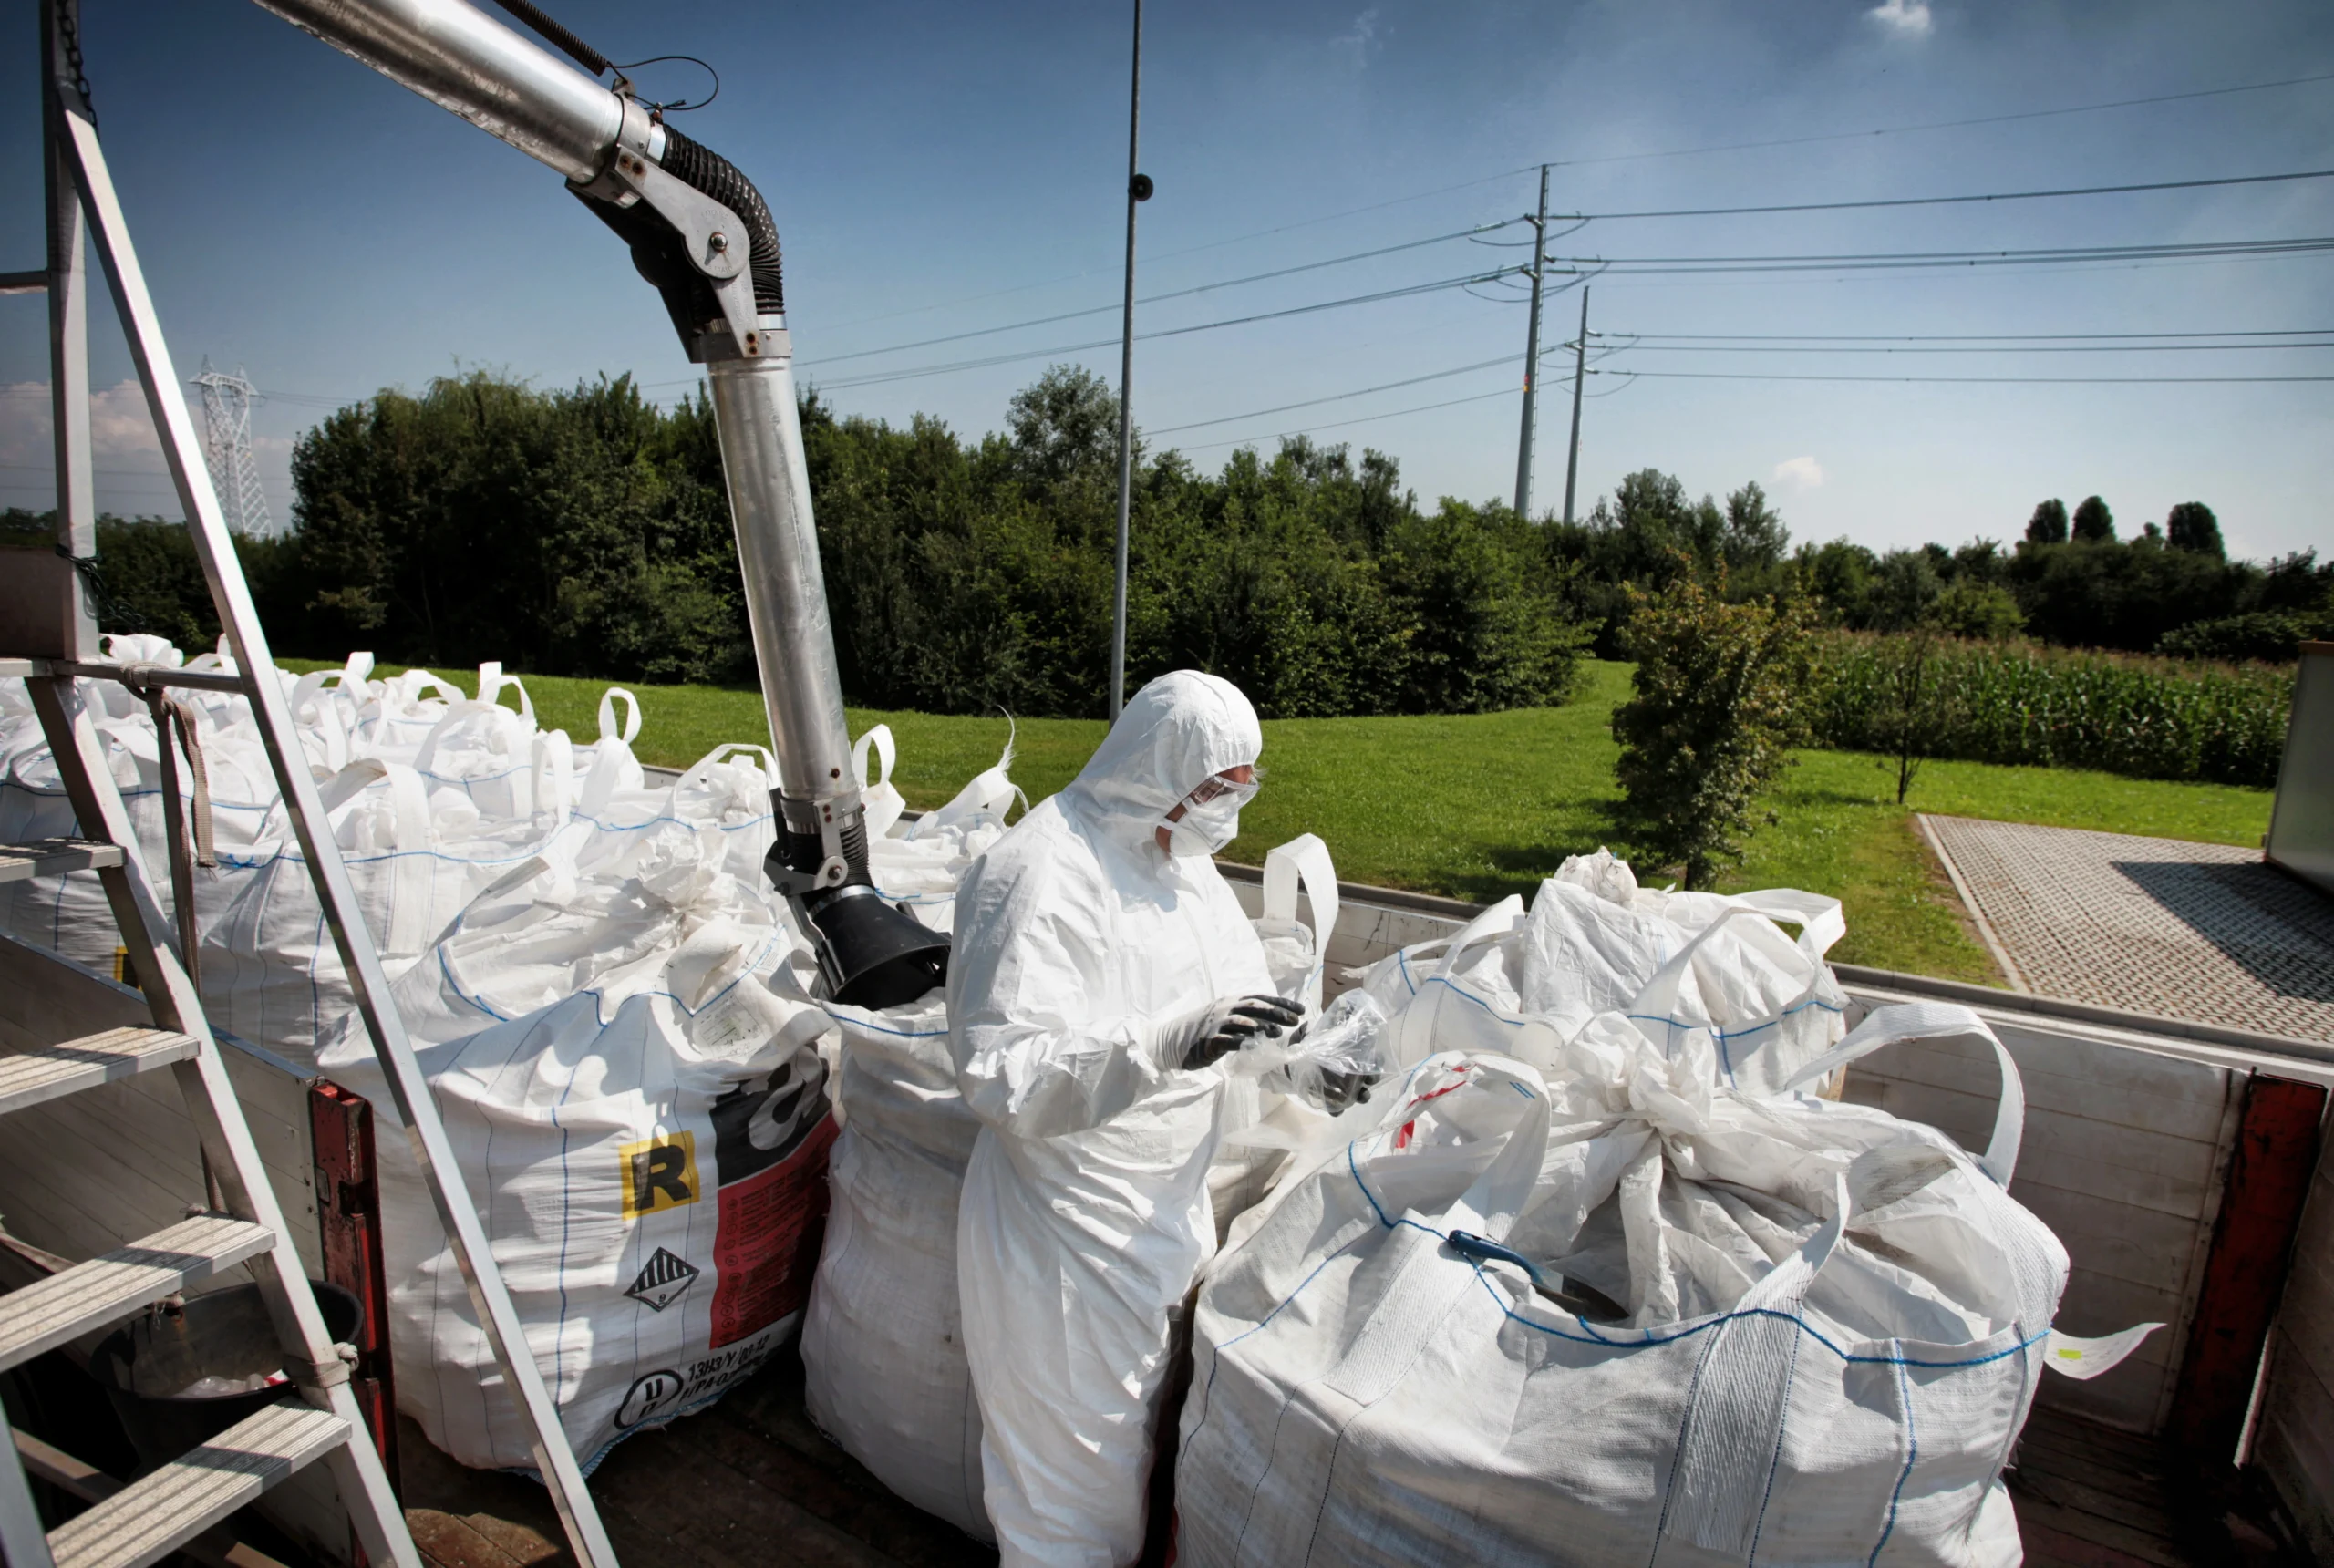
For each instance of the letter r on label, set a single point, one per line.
(659, 1173)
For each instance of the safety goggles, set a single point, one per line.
(1215, 787)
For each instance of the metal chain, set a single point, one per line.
(68, 33)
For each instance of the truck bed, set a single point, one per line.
(751, 1483)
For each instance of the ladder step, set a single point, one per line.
(45, 1315)
(52, 857)
(148, 1518)
(47, 1072)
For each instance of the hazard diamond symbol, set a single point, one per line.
(662, 1282)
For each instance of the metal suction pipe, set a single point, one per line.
(465, 61)
(786, 595)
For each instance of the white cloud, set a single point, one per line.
(1800, 473)
(119, 426)
(1353, 48)
(1906, 18)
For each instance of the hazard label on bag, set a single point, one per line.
(662, 1281)
(770, 1140)
(659, 1173)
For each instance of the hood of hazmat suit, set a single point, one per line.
(1085, 1215)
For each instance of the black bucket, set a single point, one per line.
(223, 1334)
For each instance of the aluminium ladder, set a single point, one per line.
(48, 635)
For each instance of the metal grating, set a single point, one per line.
(2154, 925)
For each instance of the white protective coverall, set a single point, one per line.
(1084, 1214)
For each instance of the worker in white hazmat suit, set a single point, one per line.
(1102, 967)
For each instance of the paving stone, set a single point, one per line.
(2204, 932)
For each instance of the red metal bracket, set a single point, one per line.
(348, 1215)
(2245, 1277)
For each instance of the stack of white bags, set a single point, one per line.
(1601, 1277)
(611, 1005)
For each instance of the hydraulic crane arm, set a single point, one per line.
(703, 236)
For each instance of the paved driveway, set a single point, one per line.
(2154, 925)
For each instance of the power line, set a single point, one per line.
(1931, 125)
(1976, 380)
(1480, 228)
(1950, 200)
(1383, 294)
(1958, 336)
(1341, 396)
(1176, 293)
(1966, 348)
(1364, 419)
(1898, 260)
(1691, 266)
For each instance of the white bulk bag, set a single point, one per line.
(1767, 1002)
(1246, 1164)
(511, 770)
(1709, 967)
(643, 1125)
(1823, 1336)
(918, 865)
(415, 856)
(607, 767)
(1293, 950)
(69, 913)
(883, 804)
(397, 714)
(726, 792)
(882, 1342)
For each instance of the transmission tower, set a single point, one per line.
(227, 424)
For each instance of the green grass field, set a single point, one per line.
(1480, 805)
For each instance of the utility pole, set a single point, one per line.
(1531, 352)
(1139, 189)
(1579, 374)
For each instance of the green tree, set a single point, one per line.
(2049, 524)
(1721, 692)
(2192, 527)
(1755, 535)
(2093, 523)
(1978, 611)
(1903, 592)
(1911, 711)
(1483, 634)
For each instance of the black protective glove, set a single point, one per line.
(1340, 1090)
(1197, 1038)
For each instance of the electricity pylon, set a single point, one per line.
(227, 444)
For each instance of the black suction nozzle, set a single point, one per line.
(873, 955)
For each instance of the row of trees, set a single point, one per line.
(2191, 525)
(2071, 584)
(586, 531)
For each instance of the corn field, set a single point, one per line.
(2147, 718)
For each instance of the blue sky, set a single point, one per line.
(941, 168)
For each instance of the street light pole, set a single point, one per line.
(1137, 191)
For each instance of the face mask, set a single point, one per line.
(1202, 829)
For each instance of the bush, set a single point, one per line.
(1721, 692)
(2144, 718)
(2263, 635)
(1977, 612)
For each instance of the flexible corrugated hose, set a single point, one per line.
(702, 170)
